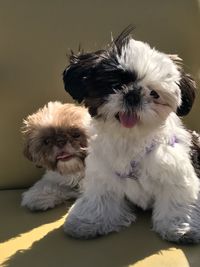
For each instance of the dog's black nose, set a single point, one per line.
(133, 97)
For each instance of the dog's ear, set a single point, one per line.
(28, 155)
(26, 139)
(26, 151)
(187, 86)
(77, 76)
(74, 82)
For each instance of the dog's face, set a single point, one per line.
(130, 83)
(56, 137)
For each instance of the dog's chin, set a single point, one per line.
(147, 121)
(69, 166)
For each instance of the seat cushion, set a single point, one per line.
(37, 239)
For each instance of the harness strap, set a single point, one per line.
(133, 173)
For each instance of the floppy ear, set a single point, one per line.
(74, 82)
(26, 151)
(28, 155)
(77, 76)
(187, 86)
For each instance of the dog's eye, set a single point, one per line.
(154, 94)
(47, 141)
(76, 135)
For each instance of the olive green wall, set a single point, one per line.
(35, 36)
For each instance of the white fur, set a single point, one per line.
(52, 189)
(166, 180)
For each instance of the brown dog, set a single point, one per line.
(56, 139)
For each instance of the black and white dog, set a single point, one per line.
(141, 152)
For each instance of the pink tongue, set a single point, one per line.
(127, 120)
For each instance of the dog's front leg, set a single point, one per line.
(93, 216)
(101, 209)
(176, 214)
(53, 189)
(176, 209)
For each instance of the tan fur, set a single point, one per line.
(56, 120)
(55, 114)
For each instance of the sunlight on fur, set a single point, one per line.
(25, 241)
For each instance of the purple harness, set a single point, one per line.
(133, 173)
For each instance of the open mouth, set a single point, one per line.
(64, 157)
(127, 120)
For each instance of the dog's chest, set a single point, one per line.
(125, 157)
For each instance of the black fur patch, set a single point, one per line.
(188, 87)
(93, 104)
(123, 38)
(95, 75)
(91, 76)
(195, 152)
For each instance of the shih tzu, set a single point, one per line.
(142, 153)
(56, 138)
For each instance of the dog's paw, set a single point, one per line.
(38, 202)
(82, 229)
(88, 228)
(191, 237)
(180, 234)
(85, 229)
